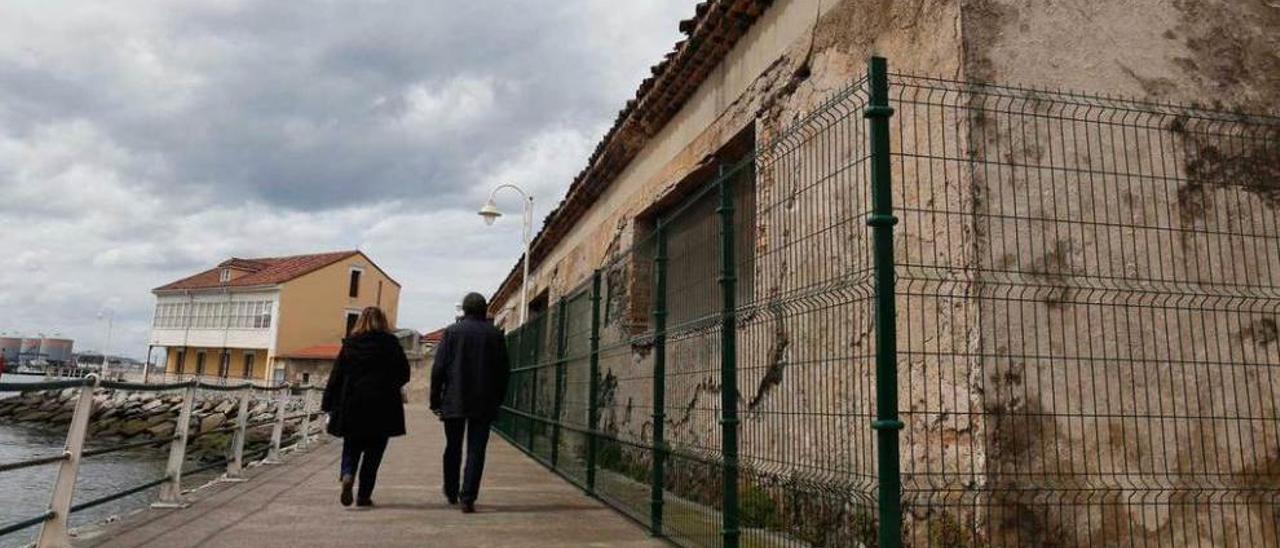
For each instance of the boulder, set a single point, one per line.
(35, 415)
(132, 427)
(162, 430)
(211, 422)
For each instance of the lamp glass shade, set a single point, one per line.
(490, 212)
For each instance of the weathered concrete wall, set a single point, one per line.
(1127, 274)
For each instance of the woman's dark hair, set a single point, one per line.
(474, 305)
(371, 320)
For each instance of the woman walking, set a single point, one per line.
(364, 402)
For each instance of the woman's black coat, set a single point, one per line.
(363, 395)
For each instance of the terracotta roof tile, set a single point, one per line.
(262, 271)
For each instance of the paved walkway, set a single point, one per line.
(296, 504)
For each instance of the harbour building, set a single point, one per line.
(243, 318)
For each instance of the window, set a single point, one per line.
(351, 322)
(181, 362)
(224, 364)
(262, 315)
(200, 363)
(225, 275)
(692, 225)
(248, 365)
(354, 289)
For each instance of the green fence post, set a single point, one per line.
(559, 389)
(887, 424)
(592, 390)
(532, 357)
(520, 386)
(659, 379)
(728, 362)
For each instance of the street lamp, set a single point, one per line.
(491, 213)
(110, 315)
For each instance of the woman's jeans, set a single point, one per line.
(361, 458)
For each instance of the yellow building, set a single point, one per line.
(242, 318)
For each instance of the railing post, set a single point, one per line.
(728, 362)
(305, 440)
(887, 424)
(54, 531)
(592, 390)
(277, 431)
(659, 380)
(559, 390)
(171, 491)
(235, 465)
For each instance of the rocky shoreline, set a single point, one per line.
(121, 416)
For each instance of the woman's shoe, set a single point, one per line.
(347, 483)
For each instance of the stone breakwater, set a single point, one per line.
(121, 416)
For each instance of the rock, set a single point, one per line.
(162, 430)
(211, 422)
(226, 406)
(133, 427)
(152, 405)
(32, 416)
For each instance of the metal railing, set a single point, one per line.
(935, 313)
(291, 403)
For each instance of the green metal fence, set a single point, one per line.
(935, 313)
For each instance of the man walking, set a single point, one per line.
(468, 384)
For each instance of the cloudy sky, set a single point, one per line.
(141, 141)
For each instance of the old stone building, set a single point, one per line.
(1087, 285)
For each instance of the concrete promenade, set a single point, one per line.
(296, 504)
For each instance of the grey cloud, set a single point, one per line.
(144, 140)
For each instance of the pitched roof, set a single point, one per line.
(256, 272)
(434, 336)
(711, 33)
(317, 352)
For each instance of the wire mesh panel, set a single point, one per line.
(625, 394)
(804, 351)
(1087, 296)
(1088, 299)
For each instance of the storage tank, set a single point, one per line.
(56, 350)
(9, 348)
(30, 350)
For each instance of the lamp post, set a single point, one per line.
(110, 315)
(491, 213)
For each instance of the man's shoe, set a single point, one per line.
(453, 499)
(364, 503)
(468, 507)
(346, 497)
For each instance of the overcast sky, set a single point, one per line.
(142, 141)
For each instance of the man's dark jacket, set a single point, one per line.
(469, 376)
(363, 395)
